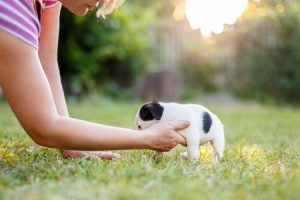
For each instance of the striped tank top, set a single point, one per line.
(21, 19)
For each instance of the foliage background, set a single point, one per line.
(267, 61)
(256, 58)
(107, 52)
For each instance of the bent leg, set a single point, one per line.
(184, 155)
(218, 145)
(193, 142)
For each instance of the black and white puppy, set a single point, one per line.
(204, 125)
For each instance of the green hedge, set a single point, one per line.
(104, 53)
(267, 54)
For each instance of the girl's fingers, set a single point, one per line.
(181, 140)
(180, 125)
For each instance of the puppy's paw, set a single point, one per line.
(194, 161)
(184, 155)
(216, 159)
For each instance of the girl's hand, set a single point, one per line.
(163, 136)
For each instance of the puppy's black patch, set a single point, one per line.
(207, 121)
(150, 111)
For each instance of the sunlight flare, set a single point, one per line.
(210, 16)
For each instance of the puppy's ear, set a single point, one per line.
(150, 111)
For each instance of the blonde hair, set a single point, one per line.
(108, 7)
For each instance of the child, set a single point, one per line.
(30, 80)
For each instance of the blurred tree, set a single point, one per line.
(267, 51)
(105, 51)
(200, 72)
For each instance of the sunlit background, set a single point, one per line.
(239, 58)
(210, 16)
(242, 48)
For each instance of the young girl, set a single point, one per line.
(30, 80)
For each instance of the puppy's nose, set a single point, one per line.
(139, 127)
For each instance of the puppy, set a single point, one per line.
(204, 125)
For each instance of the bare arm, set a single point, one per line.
(28, 92)
(48, 55)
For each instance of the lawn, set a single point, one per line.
(262, 160)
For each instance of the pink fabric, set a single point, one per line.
(19, 18)
(50, 3)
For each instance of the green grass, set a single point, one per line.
(262, 160)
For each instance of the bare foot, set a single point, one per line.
(104, 155)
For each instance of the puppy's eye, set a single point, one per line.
(139, 127)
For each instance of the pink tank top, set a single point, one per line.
(20, 18)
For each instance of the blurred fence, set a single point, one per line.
(177, 39)
(174, 41)
(171, 42)
(164, 83)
